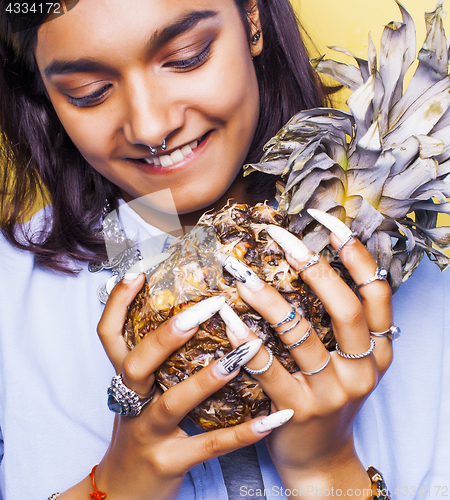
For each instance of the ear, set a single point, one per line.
(254, 21)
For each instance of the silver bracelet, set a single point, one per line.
(55, 495)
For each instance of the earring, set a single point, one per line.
(256, 37)
(163, 147)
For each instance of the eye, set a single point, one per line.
(89, 100)
(193, 62)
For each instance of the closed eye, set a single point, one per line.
(91, 99)
(193, 62)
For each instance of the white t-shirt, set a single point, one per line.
(54, 374)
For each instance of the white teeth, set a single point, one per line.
(166, 161)
(177, 156)
(186, 150)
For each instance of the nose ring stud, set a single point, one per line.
(163, 147)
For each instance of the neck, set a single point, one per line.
(170, 223)
(235, 194)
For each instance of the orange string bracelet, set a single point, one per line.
(96, 495)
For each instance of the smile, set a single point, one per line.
(176, 156)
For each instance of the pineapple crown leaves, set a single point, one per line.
(383, 167)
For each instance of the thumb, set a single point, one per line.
(111, 323)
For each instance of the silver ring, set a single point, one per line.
(313, 260)
(347, 240)
(289, 317)
(268, 365)
(393, 333)
(356, 356)
(380, 274)
(290, 328)
(321, 368)
(299, 342)
(125, 401)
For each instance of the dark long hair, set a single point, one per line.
(39, 158)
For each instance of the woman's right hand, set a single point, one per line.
(150, 453)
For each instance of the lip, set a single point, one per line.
(158, 169)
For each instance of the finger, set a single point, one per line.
(376, 296)
(111, 323)
(272, 374)
(176, 402)
(158, 344)
(212, 444)
(269, 303)
(347, 314)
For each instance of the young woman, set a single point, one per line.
(113, 101)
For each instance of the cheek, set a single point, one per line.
(90, 134)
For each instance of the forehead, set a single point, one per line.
(96, 27)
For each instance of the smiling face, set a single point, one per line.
(125, 76)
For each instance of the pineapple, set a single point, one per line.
(383, 168)
(192, 273)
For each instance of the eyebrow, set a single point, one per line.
(158, 40)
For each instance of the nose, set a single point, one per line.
(151, 114)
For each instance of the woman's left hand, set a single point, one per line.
(315, 448)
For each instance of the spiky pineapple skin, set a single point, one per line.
(192, 273)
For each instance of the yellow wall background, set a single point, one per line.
(347, 23)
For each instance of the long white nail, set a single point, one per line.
(238, 328)
(127, 279)
(238, 357)
(196, 314)
(335, 225)
(272, 421)
(289, 243)
(241, 272)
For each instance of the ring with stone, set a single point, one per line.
(356, 356)
(380, 274)
(125, 401)
(393, 332)
(289, 317)
(265, 368)
(314, 259)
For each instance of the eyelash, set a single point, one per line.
(192, 62)
(89, 100)
(185, 64)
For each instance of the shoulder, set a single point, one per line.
(34, 230)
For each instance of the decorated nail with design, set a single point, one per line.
(196, 314)
(332, 223)
(237, 327)
(238, 357)
(272, 421)
(241, 272)
(289, 243)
